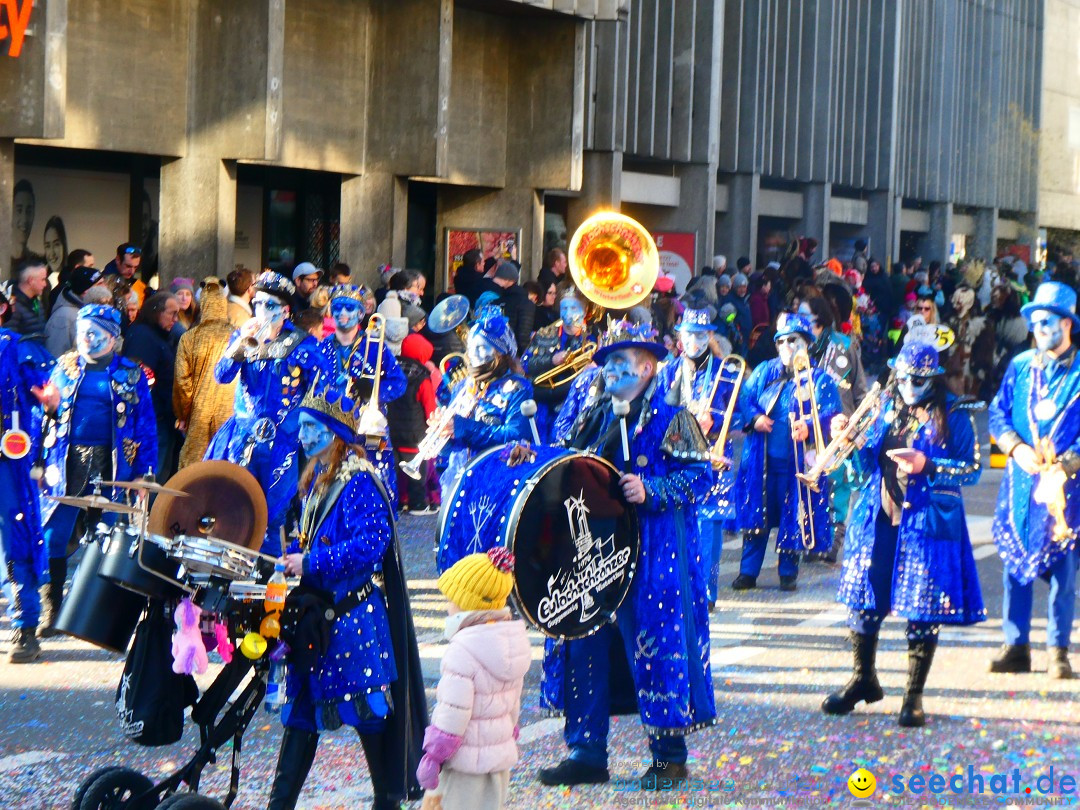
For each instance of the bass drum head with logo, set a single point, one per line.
(575, 541)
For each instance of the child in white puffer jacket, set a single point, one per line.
(471, 744)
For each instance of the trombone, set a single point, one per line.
(805, 408)
(566, 372)
(371, 422)
(738, 366)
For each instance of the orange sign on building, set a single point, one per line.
(14, 20)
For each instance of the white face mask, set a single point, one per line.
(789, 346)
(269, 309)
(479, 351)
(913, 389)
(694, 343)
(1048, 328)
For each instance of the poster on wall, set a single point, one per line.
(491, 242)
(58, 210)
(677, 256)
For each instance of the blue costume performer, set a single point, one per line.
(662, 625)
(367, 674)
(1036, 420)
(352, 357)
(277, 364)
(487, 404)
(909, 552)
(778, 427)
(696, 381)
(548, 350)
(24, 558)
(839, 357)
(101, 426)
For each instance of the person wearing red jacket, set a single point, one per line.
(409, 416)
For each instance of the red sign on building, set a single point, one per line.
(14, 20)
(678, 253)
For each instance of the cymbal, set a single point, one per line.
(149, 486)
(94, 502)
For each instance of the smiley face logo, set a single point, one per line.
(862, 783)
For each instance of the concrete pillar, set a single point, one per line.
(198, 217)
(883, 227)
(817, 202)
(934, 246)
(374, 220)
(984, 243)
(7, 194)
(737, 228)
(601, 187)
(696, 211)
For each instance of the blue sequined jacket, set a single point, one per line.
(20, 369)
(1023, 529)
(134, 450)
(584, 386)
(769, 392)
(671, 670)
(934, 575)
(349, 529)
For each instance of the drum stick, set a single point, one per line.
(528, 410)
(621, 409)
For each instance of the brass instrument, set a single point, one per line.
(450, 314)
(716, 452)
(253, 341)
(455, 369)
(1050, 490)
(566, 372)
(806, 408)
(462, 403)
(613, 260)
(371, 423)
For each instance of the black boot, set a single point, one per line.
(920, 657)
(52, 596)
(387, 795)
(1013, 658)
(1060, 669)
(571, 772)
(24, 647)
(744, 582)
(863, 685)
(294, 761)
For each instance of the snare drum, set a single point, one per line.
(121, 564)
(98, 611)
(575, 538)
(212, 557)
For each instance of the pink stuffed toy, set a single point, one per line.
(188, 650)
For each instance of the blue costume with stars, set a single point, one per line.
(348, 363)
(261, 435)
(23, 554)
(539, 359)
(766, 483)
(662, 626)
(1023, 528)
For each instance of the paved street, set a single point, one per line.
(774, 657)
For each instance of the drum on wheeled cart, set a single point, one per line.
(562, 513)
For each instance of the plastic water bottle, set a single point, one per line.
(275, 687)
(274, 601)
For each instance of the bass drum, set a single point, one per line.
(574, 537)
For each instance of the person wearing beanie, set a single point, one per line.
(184, 291)
(778, 438)
(520, 311)
(60, 328)
(353, 358)
(352, 655)
(276, 363)
(202, 405)
(102, 425)
(723, 286)
(471, 744)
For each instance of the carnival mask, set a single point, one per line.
(788, 346)
(346, 313)
(482, 356)
(622, 372)
(962, 301)
(315, 437)
(1049, 329)
(572, 313)
(91, 340)
(269, 309)
(913, 389)
(694, 344)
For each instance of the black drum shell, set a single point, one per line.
(122, 568)
(98, 611)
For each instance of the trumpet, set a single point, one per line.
(716, 452)
(566, 372)
(435, 439)
(454, 369)
(843, 445)
(806, 408)
(253, 341)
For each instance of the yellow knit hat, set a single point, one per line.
(480, 581)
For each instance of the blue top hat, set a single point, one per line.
(1057, 298)
(626, 335)
(698, 320)
(918, 360)
(794, 323)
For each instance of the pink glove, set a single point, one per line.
(428, 772)
(439, 746)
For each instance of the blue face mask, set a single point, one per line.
(1049, 330)
(315, 437)
(268, 309)
(694, 343)
(572, 313)
(622, 373)
(91, 340)
(346, 313)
